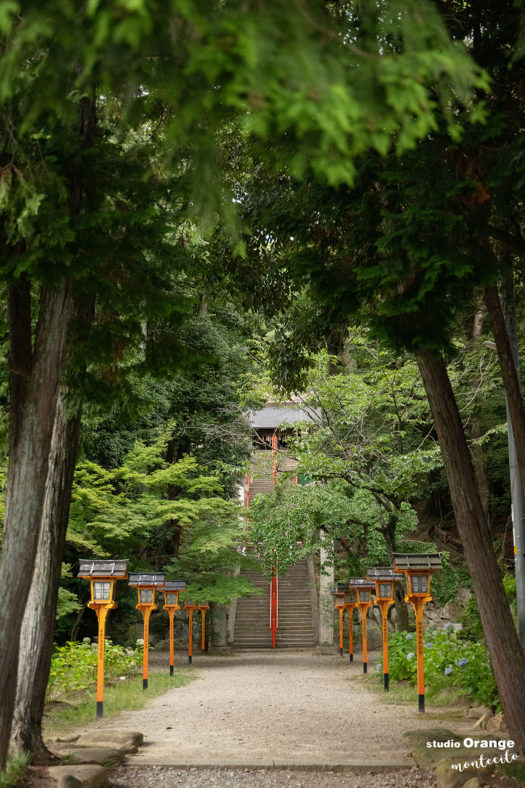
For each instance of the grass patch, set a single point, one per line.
(119, 697)
(16, 767)
(404, 693)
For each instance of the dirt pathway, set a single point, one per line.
(261, 709)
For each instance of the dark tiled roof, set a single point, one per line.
(95, 567)
(429, 561)
(147, 579)
(361, 582)
(271, 417)
(382, 573)
(174, 585)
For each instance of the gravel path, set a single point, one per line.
(166, 777)
(284, 708)
(258, 710)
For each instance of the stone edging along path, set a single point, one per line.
(274, 709)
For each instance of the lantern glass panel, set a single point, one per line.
(351, 596)
(364, 595)
(171, 597)
(101, 591)
(419, 584)
(146, 595)
(385, 590)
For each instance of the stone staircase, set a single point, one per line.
(252, 619)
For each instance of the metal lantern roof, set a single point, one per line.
(382, 573)
(174, 585)
(417, 562)
(94, 568)
(139, 580)
(361, 582)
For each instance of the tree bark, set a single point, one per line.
(35, 379)
(478, 452)
(509, 375)
(507, 658)
(38, 627)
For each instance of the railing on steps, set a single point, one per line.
(274, 605)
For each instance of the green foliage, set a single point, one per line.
(448, 661)
(74, 666)
(369, 448)
(471, 620)
(326, 88)
(16, 766)
(143, 507)
(446, 582)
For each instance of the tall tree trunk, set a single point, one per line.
(509, 375)
(34, 386)
(38, 627)
(401, 607)
(508, 660)
(478, 452)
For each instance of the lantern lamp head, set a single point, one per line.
(417, 568)
(172, 589)
(339, 594)
(146, 583)
(384, 579)
(102, 575)
(363, 589)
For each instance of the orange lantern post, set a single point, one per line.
(364, 600)
(384, 579)
(102, 575)
(203, 608)
(339, 594)
(350, 605)
(146, 584)
(171, 590)
(417, 568)
(190, 607)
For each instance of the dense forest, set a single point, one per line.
(204, 206)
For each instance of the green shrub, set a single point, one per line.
(74, 665)
(450, 661)
(16, 766)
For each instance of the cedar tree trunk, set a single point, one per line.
(509, 375)
(36, 641)
(34, 387)
(507, 658)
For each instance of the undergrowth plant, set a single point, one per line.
(16, 766)
(449, 662)
(74, 665)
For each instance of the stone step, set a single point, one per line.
(295, 628)
(286, 630)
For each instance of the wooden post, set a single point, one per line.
(364, 610)
(341, 628)
(146, 612)
(384, 606)
(419, 605)
(171, 614)
(351, 632)
(102, 612)
(203, 634)
(190, 633)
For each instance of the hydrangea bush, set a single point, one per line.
(450, 661)
(74, 665)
